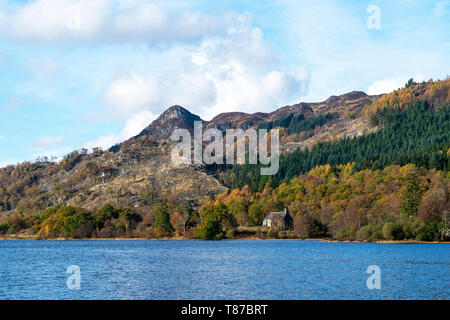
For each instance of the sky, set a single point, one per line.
(85, 73)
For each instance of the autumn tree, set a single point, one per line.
(178, 222)
(215, 220)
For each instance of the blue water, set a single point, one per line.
(222, 270)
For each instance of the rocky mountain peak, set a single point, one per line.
(173, 112)
(175, 117)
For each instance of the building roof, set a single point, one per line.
(273, 214)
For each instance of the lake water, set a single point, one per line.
(222, 270)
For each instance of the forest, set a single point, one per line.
(419, 135)
(394, 203)
(330, 202)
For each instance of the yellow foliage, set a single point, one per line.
(432, 91)
(347, 171)
(321, 171)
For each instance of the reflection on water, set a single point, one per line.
(222, 270)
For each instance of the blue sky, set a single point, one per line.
(92, 73)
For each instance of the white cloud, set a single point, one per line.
(234, 73)
(133, 126)
(189, 88)
(226, 64)
(107, 21)
(386, 85)
(136, 123)
(131, 92)
(47, 141)
(390, 84)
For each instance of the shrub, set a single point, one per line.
(3, 228)
(429, 231)
(272, 233)
(393, 231)
(229, 234)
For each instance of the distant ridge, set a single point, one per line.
(178, 117)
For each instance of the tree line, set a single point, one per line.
(419, 135)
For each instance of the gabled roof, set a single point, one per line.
(273, 214)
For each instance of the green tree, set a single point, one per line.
(214, 220)
(162, 219)
(410, 83)
(412, 192)
(74, 222)
(109, 212)
(255, 215)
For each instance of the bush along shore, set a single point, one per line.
(397, 203)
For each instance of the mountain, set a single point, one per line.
(138, 173)
(176, 117)
(236, 120)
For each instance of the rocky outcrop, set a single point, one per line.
(176, 117)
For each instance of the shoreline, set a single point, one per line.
(12, 238)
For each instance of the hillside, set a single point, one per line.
(142, 164)
(138, 173)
